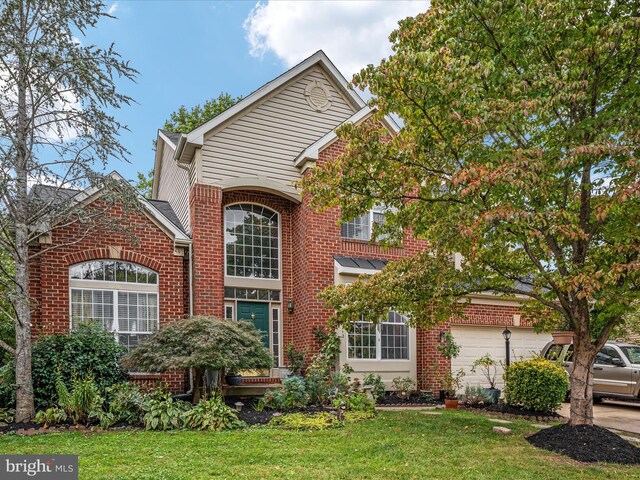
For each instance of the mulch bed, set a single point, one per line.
(587, 444)
(508, 411)
(394, 400)
(251, 416)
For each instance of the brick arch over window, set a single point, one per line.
(112, 253)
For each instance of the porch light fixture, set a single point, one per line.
(290, 306)
(506, 333)
(443, 336)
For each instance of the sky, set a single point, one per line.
(190, 51)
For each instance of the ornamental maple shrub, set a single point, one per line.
(201, 343)
(536, 384)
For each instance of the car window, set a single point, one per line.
(632, 353)
(606, 356)
(569, 354)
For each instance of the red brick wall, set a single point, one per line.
(49, 272)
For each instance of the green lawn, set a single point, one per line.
(402, 445)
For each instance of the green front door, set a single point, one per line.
(258, 314)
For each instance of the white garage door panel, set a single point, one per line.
(477, 341)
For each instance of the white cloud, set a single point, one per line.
(113, 8)
(352, 33)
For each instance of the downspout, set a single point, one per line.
(191, 305)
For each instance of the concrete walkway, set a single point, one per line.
(621, 416)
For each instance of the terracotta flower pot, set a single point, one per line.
(562, 338)
(451, 403)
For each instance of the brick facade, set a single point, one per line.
(149, 246)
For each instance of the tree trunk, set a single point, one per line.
(24, 382)
(21, 301)
(197, 385)
(582, 382)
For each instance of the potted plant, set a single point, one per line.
(489, 368)
(451, 382)
(563, 334)
(449, 350)
(233, 378)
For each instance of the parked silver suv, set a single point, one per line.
(616, 372)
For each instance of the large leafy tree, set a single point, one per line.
(201, 343)
(54, 129)
(519, 151)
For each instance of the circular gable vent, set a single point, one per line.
(318, 96)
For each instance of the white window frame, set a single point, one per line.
(224, 223)
(272, 309)
(115, 287)
(378, 357)
(369, 234)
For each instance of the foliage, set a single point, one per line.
(319, 376)
(6, 416)
(89, 348)
(83, 398)
(7, 387)
(404, 387)
(475, 395)
(144, 185)
(292, 394)
(125, 403)
(201, 343)
(163, 412)
(51, 416)
(211, 414)
(355, 402)
(394, 445)
(489, 368)
(451, 382)
(536, 384)
(448, 348)
(305, 421)
(518, 152)
(57, 98)
(295, 359)
(184, 120)
(375, 380)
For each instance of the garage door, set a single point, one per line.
(477, 341)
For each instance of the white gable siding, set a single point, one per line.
(266, 140)
(173, 184)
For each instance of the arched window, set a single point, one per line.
(121, 296)
(252, 241)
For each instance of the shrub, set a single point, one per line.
(292, 394)
(355, 401)
(51, 416)
(83, 398)
(375, 380)
(163, 412)
(488, 367)
(7, 387)
(404, 387)
(475, 395)
(536, 384)
(295, 359)
(125, 402)
(201, 343)
(6, 416)
(90, 348)
(211, 414)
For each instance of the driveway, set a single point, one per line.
(621, 416)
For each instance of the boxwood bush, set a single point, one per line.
(536, 384)
(88, 349)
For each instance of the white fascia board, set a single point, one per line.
(166, 139)
(196, 136)
(178, 235)
(312, 152)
